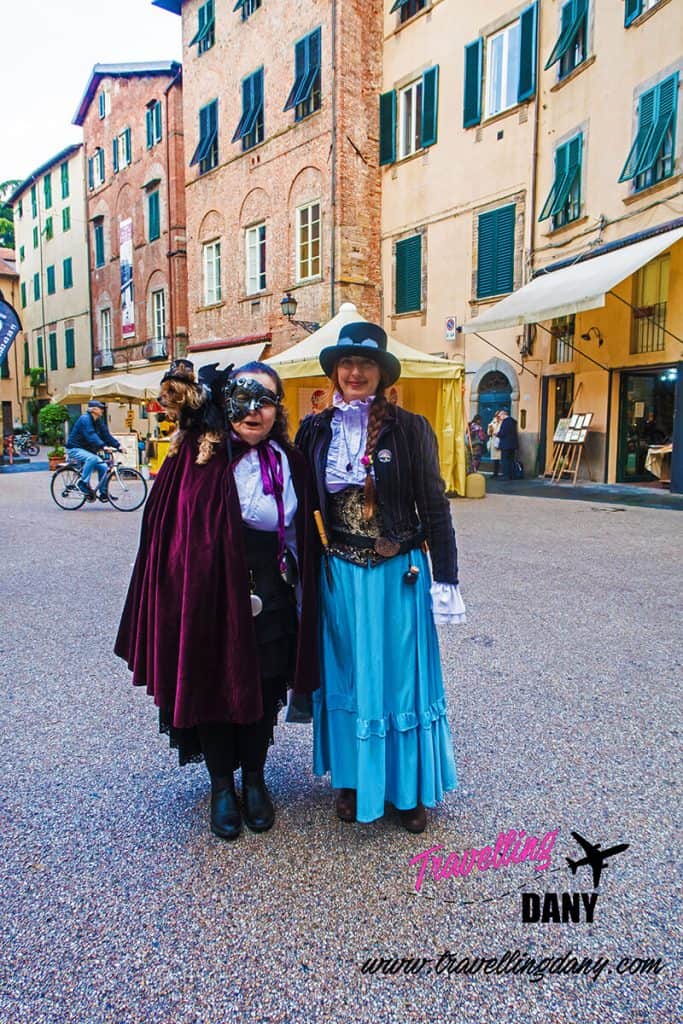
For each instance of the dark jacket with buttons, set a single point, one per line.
(410, 491)
(90, 434)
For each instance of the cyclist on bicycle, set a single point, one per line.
(88, 436)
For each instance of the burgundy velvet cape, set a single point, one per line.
(187, 633)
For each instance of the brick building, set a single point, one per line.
(280, 115)
(131, 116)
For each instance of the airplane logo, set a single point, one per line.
(594, 856)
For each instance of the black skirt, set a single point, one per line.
(276, 633)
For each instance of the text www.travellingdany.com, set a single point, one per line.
(514, 963)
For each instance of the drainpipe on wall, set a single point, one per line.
(171, 220)
(534, 151)
(333, 183)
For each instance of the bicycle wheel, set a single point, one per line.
(126, 489)
(64, 488)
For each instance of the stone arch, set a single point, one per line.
(212, 225)
(495, 365)
(306, 186)
(256, 206)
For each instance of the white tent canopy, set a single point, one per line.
(301, 360)
(572, 289)
(143, 387)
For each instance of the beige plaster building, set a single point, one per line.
(457, 137)
(54, 305)
(282, 187)
(604, 311)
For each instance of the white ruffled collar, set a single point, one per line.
(357, 403)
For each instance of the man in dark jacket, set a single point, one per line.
(507, 443)
(88, 436)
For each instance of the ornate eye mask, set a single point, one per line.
(244, 395)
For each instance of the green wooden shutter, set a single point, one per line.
(157, 121)
(27, 356)
(36, 286)
(51, 280)
(430, 106)
(126, 145)
(528, 27)
(409, 274)
(91, 173)
(666, 95)
(100, 157)
(52, 340)
(70, 348)
(632, 8)
(41, 355)
(149, 118)
(496, 251)
(47, 189)
(4, 368)
(472, 92)
(23, 295)
(573, 13)
(65, 181)
(300, 67)
(387, 127)
(67, 272)
(115, 155)
(153, 214)
(646, 121)
(66, 218)
(99, 245)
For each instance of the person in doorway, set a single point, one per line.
(507, 444)
(493, 444)
(87, 438)
(380, 723)
(477, 442)
(210, 624)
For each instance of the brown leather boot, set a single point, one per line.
(345, 804)
(414, 820)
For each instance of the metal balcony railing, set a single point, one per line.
(648, 328)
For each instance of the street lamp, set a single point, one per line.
(288, 305)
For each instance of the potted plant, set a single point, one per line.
(56, 455)
(51, 420)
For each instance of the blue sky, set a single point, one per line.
(48, 53)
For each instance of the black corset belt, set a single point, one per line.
(359, 542)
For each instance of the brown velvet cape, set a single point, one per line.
(187, 633)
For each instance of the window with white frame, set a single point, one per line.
(105, 330)
(502, 69)
(211, 262)
(255, 243)
(308, 241)
(410, 119)
(159, 314)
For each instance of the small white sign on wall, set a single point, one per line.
(451, 325)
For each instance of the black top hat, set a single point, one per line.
(369, 341)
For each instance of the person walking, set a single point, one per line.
(380, 722)
(508, 444)
(210, 625)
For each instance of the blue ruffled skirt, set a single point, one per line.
(380, 724)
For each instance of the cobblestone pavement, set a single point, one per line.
(118, 906)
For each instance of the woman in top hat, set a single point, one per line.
(210, 621)
(380, 725)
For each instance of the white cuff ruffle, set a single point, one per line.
(448, 606)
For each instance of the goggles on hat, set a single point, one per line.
(244, 395)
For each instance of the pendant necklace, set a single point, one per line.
(351, 457)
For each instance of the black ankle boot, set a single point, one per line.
(226, 819)
(259, 813)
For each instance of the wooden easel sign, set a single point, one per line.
(569, 439)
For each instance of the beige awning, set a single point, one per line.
(143, 387)
(571, 289)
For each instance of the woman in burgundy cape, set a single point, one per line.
(213, 535)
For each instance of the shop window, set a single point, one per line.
(650, 302)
